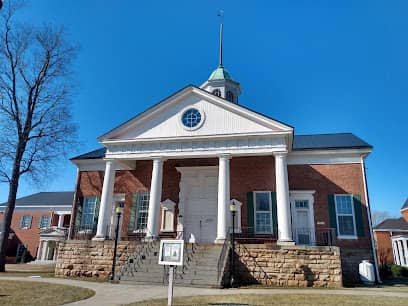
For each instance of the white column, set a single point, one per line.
(400, 251)
(154, 200)
(405, 246)
(223, 197)
(395, 251)
(39, 250)
(61, 220)
(44, 250)
(282, 199)
(106, 199)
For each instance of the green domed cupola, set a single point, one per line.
(220, 74)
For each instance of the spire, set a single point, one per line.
(221, 15)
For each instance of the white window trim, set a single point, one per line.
(270, 211)
(141, 230)
(31, 222)
(49, 222)
(94, 210)
(337, 218)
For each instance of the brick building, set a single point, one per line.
(39, 221)
(178, 166)
(391, 237)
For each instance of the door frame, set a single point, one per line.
(303, 195)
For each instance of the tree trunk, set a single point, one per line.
(11, 203)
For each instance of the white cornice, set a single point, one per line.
(340, 156)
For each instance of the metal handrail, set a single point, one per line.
(315, 236)
(222, 259)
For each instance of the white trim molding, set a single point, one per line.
(338, 156)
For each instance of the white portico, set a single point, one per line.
(191, 124)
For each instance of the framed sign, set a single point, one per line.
(171, 252)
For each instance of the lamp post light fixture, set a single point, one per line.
(233, 210)
(119, 211)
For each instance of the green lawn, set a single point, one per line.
(20, 293)
(282, 300)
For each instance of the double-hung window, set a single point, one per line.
(88, 213)
(25, 221)
(346, 224)
(263, 212)
(142, 211)
(44, 222)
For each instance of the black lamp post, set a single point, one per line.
(119, 211)
(233, 210)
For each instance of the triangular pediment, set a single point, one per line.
(219, 118)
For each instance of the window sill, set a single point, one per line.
(347, 237)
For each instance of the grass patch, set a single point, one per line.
(22, 293)
(281, 299)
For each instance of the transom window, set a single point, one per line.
(217, 92)
(302, 204)
(44, 222)
(191, 118)
(142, 210)
(263, 212)
(88, 212)
(346, 224)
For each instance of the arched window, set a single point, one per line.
(230, 96)
(217, 92)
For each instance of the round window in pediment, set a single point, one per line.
(192, 118)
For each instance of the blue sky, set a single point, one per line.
(320, 66)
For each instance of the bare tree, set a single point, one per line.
(36, 128)
(379, 216)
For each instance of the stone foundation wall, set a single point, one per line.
(86, 258)
(350, 259)
(298, 266)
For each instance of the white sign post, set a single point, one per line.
(171, 254)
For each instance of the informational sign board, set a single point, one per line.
(171, 252)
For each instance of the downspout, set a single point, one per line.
(72, 219)
(377, 271)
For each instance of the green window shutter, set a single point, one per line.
(96, 215)
(332, 212)
(358, 213)
(78, 213)
(20, 225)
(250, 212)
(132, 216)
(274, 213)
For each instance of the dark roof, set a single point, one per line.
(328, 141)
(393, 224)
(300, 142)
(405, 204)
(46, 198)
(95, 154)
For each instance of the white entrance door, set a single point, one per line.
(302, 221)
(198, 199)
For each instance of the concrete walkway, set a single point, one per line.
(118, 294)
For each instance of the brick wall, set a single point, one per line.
(29, 236)
(384, 246)
(298, 266)
(246, 174)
